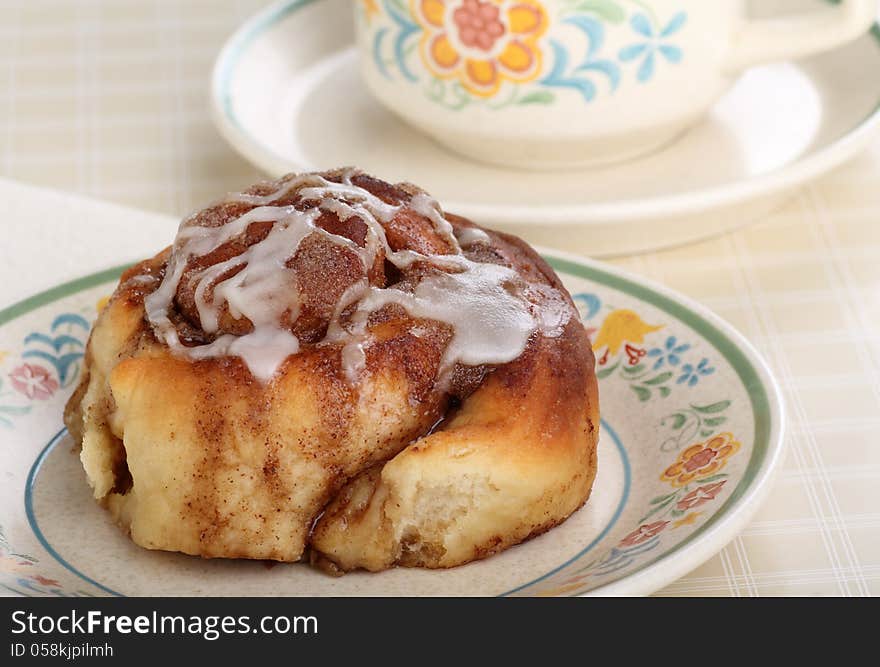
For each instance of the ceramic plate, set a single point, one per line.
(286, 94)
(691, 434)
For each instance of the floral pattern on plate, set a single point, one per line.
(685, 451)
(517, 52)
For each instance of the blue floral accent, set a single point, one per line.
(377, 52)
(63, 351)
(669, 353)
(618, 558)
(587, 304)
(557, 78)
(691, 375)
(560, 77)
(406, 28)
(581, 69)
(20, 576)
(595, 34)
(655, 42)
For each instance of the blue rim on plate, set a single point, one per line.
(651, 573)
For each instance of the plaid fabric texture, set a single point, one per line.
(108, 98)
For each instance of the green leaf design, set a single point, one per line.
(720, 406)
(660, 499)
(436, 89)
(633, 370)
(678, 420)
(713, 478)
(607, 9)
(660, 379)
(714, 421)
(605, 372)
(642, 392)
(463, 98)
(538, 97)
(705, 433)
(677, 512)
(399, 5)
(14, 410)
(655, 510)
(665, 391)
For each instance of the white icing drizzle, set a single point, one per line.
(468, 236)
(490, 324)
(489, 308)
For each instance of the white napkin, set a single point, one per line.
(49, 237)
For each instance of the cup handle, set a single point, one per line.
(789, 38)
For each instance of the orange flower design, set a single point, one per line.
(371, 9)
(12, 563)
(568, 587)
(481, 43)
(700, 496)
(643, 533)
(701, 460)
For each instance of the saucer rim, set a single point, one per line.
(773, 183)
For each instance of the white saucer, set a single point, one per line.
(287, 95)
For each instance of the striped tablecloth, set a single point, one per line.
(108, 98)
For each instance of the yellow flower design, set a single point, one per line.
(12, 563)
(3, 355)
(568, 587)
(371, 8)
(481, 43)
(102, 303)
(620, 327)
(701, 460)
(687, 520)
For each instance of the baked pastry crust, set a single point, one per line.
(413, 460)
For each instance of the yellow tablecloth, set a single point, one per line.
(109, 98)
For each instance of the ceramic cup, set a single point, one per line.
(543, 84)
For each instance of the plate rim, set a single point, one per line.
(704, 542)
(772, 183)
(730, 520)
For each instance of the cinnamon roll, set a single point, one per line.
(328, 367)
